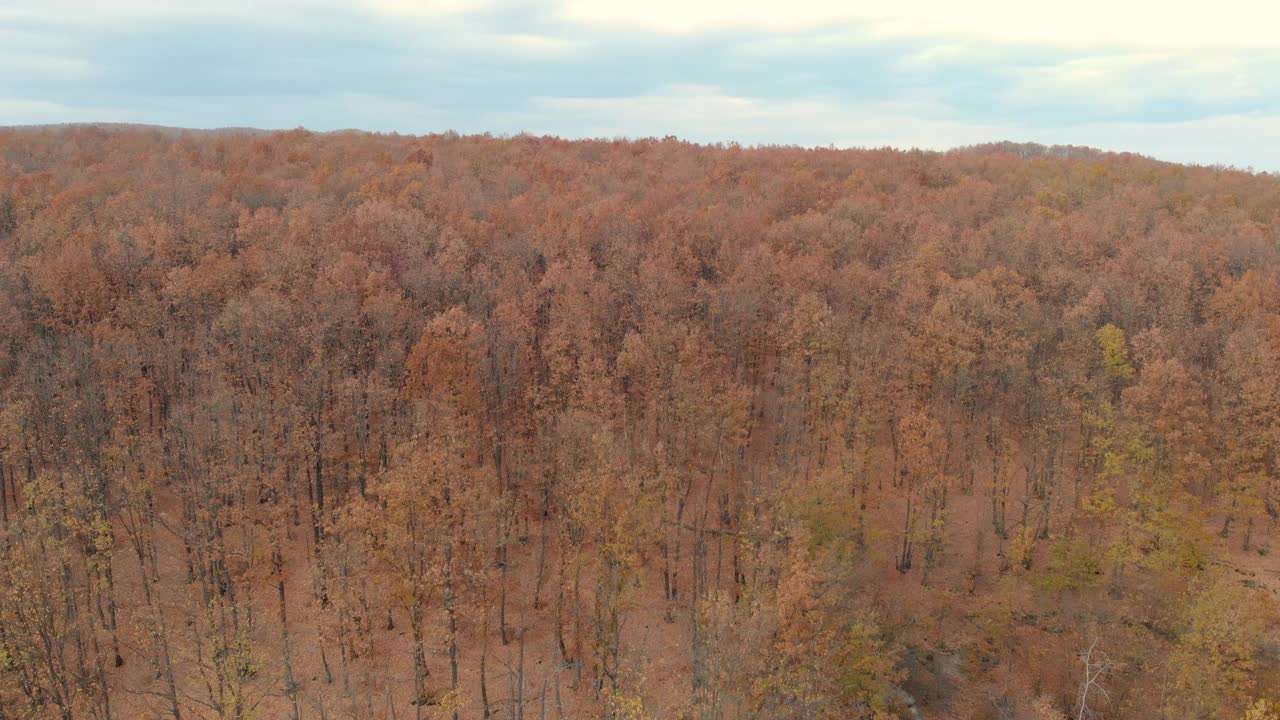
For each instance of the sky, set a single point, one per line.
(1195, 82)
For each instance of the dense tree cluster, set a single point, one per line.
(297, 425)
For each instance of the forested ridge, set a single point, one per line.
(300, 425)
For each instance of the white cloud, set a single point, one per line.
(708, 114)
(512, 44)
(428, 8)
(87, 11)
(1081, 23)
(1151, 24)
(82, 13)
(47, 66)
(1125, 81)
(22, 111)
(536, 44)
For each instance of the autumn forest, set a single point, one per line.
(358, 426)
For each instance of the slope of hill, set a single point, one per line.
(300, 425)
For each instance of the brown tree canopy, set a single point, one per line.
(374, 426)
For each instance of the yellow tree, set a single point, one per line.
(1215, 664)
(823, 664)
(420, 526)
(610, 514)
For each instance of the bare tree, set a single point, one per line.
(1096, 667)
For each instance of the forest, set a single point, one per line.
(361, 426)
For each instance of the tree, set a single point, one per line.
(1214, 665)
(822, 665)
(1096, 667)
(1115, 357)
(923, 482)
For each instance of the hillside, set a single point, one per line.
(348, 425)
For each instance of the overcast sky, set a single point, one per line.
(1191, 82)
